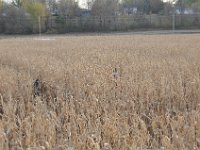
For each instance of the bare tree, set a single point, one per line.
(68, 7)
(17, 3)
(156, 6)
(105, 7)
(89, 4)
(141, 5)
(145, 6)
(1, 5)
(168, 8)
(52, 6)
(11, 22)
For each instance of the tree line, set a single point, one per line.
(33, 9)
(71, 8)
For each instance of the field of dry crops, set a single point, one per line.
(123, 92)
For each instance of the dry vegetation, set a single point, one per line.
(112, 92)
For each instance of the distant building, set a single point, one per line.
(186, 11)
(55, 12)
(130, 10)
(82, 12)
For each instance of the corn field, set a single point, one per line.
(122, 92)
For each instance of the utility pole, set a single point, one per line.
(39, 25)
(173, 20)
(174, 16)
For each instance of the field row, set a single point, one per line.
(100, 92)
